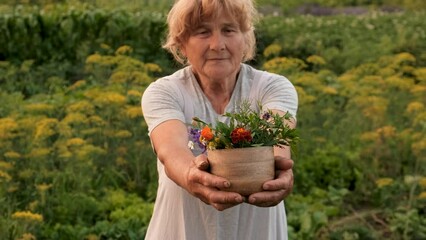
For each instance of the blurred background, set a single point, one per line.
(76, 161)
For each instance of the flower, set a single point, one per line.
(246, 128)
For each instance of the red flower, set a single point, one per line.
(240, 135)
(207, 133)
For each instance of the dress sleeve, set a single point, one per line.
(161, 102)
(277, 92)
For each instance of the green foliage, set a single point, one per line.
(76, 161)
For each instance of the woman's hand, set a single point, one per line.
(205, 186)
(279, 188)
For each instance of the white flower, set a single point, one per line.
(191, 145)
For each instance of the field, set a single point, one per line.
(76, 161)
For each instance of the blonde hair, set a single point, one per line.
(186, 15)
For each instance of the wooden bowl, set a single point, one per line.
(246, 168)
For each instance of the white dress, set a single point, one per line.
(177, 214)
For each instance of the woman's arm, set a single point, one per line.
(170, 142)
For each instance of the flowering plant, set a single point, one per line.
(247, 128)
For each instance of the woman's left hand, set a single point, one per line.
(279, 188)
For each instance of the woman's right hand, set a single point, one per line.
(205, 186)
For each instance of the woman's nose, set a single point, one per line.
(217, 42)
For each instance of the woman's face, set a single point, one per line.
(215, 49)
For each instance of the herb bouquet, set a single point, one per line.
(242, 151)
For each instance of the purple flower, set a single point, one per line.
(266, 116)
(194, 135)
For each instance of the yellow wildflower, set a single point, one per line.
(369, 136)
(77, 84)
(33, 205)
(316, 60)
(75, 118)
(409, 179)
(382, 182)
(46, 128)
(151, 67)
(120, 77)
(39, 108)
(120, 161)
(82, 107)
(134, 93)
(97, 121)
(329, 90)
(25, 174)
(110, 98)
(404, 57)
(422, 196)
(6, 165)
(133, 112)
(94, 58)
(419, 148)
(124, 50)
(92, 237)
(5, 176)
(123, 134)
(387, 131)
(12, 155)
(272, 50)
(422, 182)
(414, 107)
(75, 142)
(39, 152)
(28, 216)
(7, 128)
(43, 187)
(105, 46)
(420, 74)
(399, 82)
(27, 236)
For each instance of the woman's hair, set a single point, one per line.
(186, 15)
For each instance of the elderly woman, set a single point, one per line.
(212, 38)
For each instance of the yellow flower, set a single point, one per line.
(404, 57)
(77, 84)
(133, 112)
(110, 98)
(75, 118)
(5, 176)
(316, 60)
(272, 50)
(422, 196)
(27, 236)
(409, 179)
(105, 46)
(7, 128)
(75, 142)
(419, 148)
(382, 182)
(46, 128)
(414, 107)
(369, 136)
(28, 216)
(12, 155)
(120, 77)
(134, 93)
(39, 152)
(123, 134)
(399, 82)
(84, 107)
(6, 165)
(92, 237)
(329, 90)
(25, 174)
(43, 187)
(420, 74)
(151, 67)
(124, 50)
(120, 161)
(387, 131)
(39, 108)
(422, 182)
(94, 58)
